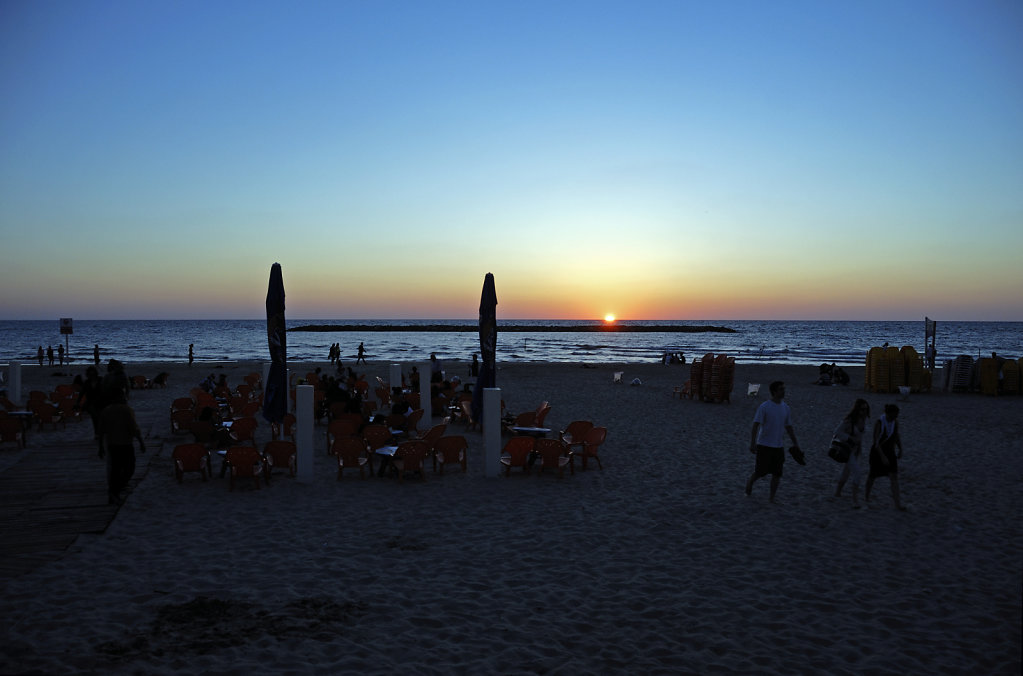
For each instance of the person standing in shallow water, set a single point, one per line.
(767, 439)
(95, 354)
(191, 353)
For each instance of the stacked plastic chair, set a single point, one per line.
(914, 365)
(711, 377)
(878, 370)
(962, 373)
(708, 376)
(989, 376)
(696, 379)
(1010, 377)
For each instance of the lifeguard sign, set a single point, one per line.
(66, 330)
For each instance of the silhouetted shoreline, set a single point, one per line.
(516, 328)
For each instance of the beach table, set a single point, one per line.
(26, 422)
(538, 432)
(386, 454)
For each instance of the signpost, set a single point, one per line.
(930, 327)
(66, 330)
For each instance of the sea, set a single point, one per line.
(775, 341)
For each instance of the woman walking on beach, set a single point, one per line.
(883, 458)
(852, 428)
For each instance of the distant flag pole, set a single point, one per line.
(275, 399)
(488, 345)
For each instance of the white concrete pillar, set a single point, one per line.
(492, 431)
(304, 432)
(394, 377)
(425, 401)
(14, 382)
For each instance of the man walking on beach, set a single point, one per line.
(362, 354)
(118, 429)
(770, 423)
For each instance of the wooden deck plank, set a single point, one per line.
(52, 494)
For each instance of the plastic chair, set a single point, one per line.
(410, 457)
(45, 413)
(340, 428)
(431, 436)
(574, 435)
(279, 453)
(551, 454)
(12, 431)
(591, 445)
(244, 430)
(244, 461)
(451, 450)
(376, 436)
(516, 453)
(351, 452)
(191, 458)
(181, 421)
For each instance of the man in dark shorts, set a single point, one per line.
(770, 423)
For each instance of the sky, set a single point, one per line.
(651, 160)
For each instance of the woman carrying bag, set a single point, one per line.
(850, 431)
(883, 457)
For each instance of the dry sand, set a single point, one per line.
(657, 564)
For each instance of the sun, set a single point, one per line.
(609, 318)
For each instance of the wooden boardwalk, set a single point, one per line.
(52, 494)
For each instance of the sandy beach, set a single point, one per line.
(659, 563)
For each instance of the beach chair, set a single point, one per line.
(280, 453)
(244, 461)
(244, 430)
(410, 457)
(412, 422)
(286, 428)
(376, 436)
(11, 431)
(351, 452)
(591, 446)
(191, 458)
(516, 453)
(618, 377)
(431, 436)
(574, 435)
(45, 413)
(551, 454)
(451, 450)
(340, 428)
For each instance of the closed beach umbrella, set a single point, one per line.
(275, 390)
(488, 345)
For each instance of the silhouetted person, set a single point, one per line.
(118, 430)
(90, 398)
(49, 354)
(767, 440)
(362, 355)
(191, 353)
(95, 355)
(60, 352)
(40, 356)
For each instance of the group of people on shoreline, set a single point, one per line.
(773, 420)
